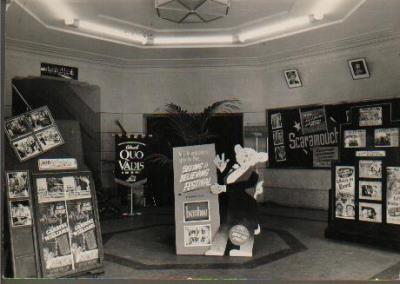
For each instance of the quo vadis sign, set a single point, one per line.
(129, 161)
(196, 208)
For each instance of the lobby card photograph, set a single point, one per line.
(27, 148)
(278, 137)
(276, 121)
(54, 238)
(370, 190)
(345, 192)
(18, 184)
(393, 195)
(51, 189)
(39, 118)
(20, 213)
(370, 212)
(197, 235)
(82, 224)
(355, 138)
(386, 137)
(49, 138)
(198, 211)
(370, 116)
(370, 169)
(17, 127)
(280, 154)
(79, 186)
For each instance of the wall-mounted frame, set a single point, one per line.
(292, 78)
(358, 68)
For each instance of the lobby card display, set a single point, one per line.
(345, 192)
(370, 212)
(371, 116)
(196, 209)
(386, 137)
(33, 133)
(370, 190)
(22, 238)
(355, 138)
(370, 169)
(69, 229)
(393, 195)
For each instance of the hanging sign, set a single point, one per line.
(130, 153)
(196, 208)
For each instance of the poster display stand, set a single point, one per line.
(196, 209)
(364, 201)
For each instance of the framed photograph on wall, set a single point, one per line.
(370, 190)
(18, 184)
(292, 78)
(355, 138)
(370, 169)
(359, 68)
(370, 116)
(386, 137)
(370, 212)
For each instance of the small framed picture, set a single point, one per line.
(371, 116)
(358, 68)
(27, 148)
(280, 154)
(370, 190)
(292, 78)
(355, 138)
(17, 127)
(387, 137)
(370, 169)
(276, 120)
(370, 212)
(20, 213)
(49, 138)
(18, 184)
(39, 118)
(278, 137)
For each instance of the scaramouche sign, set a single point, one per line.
(196, 208)
(129, 161)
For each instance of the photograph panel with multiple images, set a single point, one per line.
(33, 133)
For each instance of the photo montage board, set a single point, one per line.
(21, 224)
(369, 149)
(196, 209)
(68, 228)
(308, 137)
(33, 133)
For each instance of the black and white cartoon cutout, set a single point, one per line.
(240, 222)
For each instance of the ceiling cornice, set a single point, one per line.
(375, 38)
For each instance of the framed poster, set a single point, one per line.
(33, 133)
(370, 212)
(386, 137)
(196, 209)
(393, 195)
(21, 224)
(370, 169)
(69, 234)
(345, 192)
(370, 190)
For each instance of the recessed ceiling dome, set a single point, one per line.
(192, 11)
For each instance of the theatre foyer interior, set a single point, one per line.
(201, 139)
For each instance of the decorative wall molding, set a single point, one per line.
(371, 39)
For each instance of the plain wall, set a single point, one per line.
(128, 93)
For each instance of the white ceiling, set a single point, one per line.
(253, 28)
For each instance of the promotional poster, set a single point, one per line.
(393, 195)
(196, 208)
(345, 192)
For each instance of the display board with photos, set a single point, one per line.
(32, 133)
(68, 228)
(196, 209)
(365, 196)
(309, 136)
(21, 224)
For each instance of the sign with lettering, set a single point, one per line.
(130, 153)
(196, 208)
(309, 136)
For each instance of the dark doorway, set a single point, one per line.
(226, 130)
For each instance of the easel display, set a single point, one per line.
(364, 201)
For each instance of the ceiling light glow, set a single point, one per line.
(59, 9)
(269, 30)
(113, 32)
(193, 40)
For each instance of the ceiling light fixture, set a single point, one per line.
(189, 40)
(112, 32)
(274, 29)
(192, 11)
